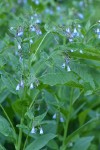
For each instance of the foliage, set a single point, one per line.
(49, 75)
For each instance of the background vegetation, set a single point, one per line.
(49, 75)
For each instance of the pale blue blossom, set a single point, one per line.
(41, 130)
(17, 87)
(68, 69)
(33, 131)
(31, 86)
(54, 116)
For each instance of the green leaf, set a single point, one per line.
(52, 79)
(37, 120)
(20, 106)
(87, 26)
(83, 72)
(9, 82)
(71, 136)
(76, 95)
(5, 128)
(3, 95)
(83, 143)
(2, 148)
(83, 115)
(40, 142)
(53, 145)
(37, 45)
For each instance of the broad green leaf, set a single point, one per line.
(2, 61)
(52, 79)
(2, 148)
(87, 26)
(83, 72)
(86, 55)
(83, 143)
(76, 95)
(9, 83)
(3, 95)
(40, 142)
(20, 106)
(71, 136)
(37, 45)
(37, 120)
(49, 126)
(53, 145)
(5, 128)
(82, 116)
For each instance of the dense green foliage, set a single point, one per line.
(49, 75)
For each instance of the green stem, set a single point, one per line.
(25, 141)
(65, 132)
(67, 122)
(41, 42)
(20, 136)
(64, 40)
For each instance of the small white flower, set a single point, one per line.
(81, 4)
(38, 21)
(68, 30)
(61, 119)
(38, 108)
(11, 28)
(68, 69)
(98, 31)
(81, 51)
(35, 15)
(33, 131)
(63, 65)
(32, 28)
(20, 33)
(19, 46)
(32, 17)
(22, 83)
(31, 41)
(17, 87)
(70, 40)
(37, 2)
(79, 26)
(31, 86)
(81, 16)
(58, 8)
(41, 130)
(75, 31)
(54, 116)
(72, 50)
(98, 21)
(38, 32)
(20, 59)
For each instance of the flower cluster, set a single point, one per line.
(61, 118)
(34, 130)
(74, 33)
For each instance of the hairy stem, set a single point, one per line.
(67, 122)
(20, 135)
